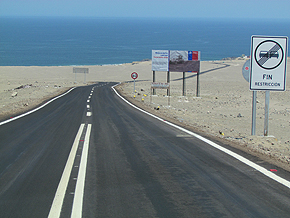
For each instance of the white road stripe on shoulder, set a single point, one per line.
(227, 151)
(36, 109)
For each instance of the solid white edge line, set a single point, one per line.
(61, 189)
(80, 185)
(36, 109)
(213, 144)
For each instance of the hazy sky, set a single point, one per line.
(273, 9)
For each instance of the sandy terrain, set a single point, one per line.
(224, 108)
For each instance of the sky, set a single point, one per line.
(253, 9)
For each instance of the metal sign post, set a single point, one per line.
(254, 112)
(134, 76)
(156, 85)
(183, 84)
(197, 84)
(246, 75)
(266, 122)
(268, 68)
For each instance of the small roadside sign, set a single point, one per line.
(160, 85)
(268, 63)
(134, 75)
(246, 70)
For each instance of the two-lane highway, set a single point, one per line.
(123, 163)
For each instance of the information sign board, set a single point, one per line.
(160, 60)
(155, 85)
(175, 61)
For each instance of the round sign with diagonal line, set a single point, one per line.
(268, 63)
(134, 75)
(269, 54)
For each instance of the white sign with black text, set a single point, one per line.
(268, 63)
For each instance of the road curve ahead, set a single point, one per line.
(96, 156)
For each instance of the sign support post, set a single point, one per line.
(254, 109)
(266, 123)
(168, 81)
(154, 91)
(155, 85)
(197, 85)
(183, 84)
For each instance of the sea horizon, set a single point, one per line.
(84, 41)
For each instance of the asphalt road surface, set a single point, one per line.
(90, 154)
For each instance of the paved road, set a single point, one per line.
(136, 166)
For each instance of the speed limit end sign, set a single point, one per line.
(268, 63)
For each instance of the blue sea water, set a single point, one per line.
(59, 41)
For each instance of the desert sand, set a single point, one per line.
(223, 110)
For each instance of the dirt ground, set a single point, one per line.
(223, 110)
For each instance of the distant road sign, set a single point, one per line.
(134, 75)
(246, 70)
(155, 85)
(268, 63)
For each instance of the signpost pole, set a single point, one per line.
(134, 76)
(254, 109)
(183, 84)
(197, 84)
(168, 81)
(266, 123)
(154, 91)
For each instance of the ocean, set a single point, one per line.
(68, 41)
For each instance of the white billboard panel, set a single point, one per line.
(160, 60)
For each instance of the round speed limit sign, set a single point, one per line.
(134, 75)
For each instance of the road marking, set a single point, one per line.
(183, 136)
(227, 151)
(79, 191)
(62, 186)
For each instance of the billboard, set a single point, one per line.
(80, 70)
(160, 60)
(175, 61)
